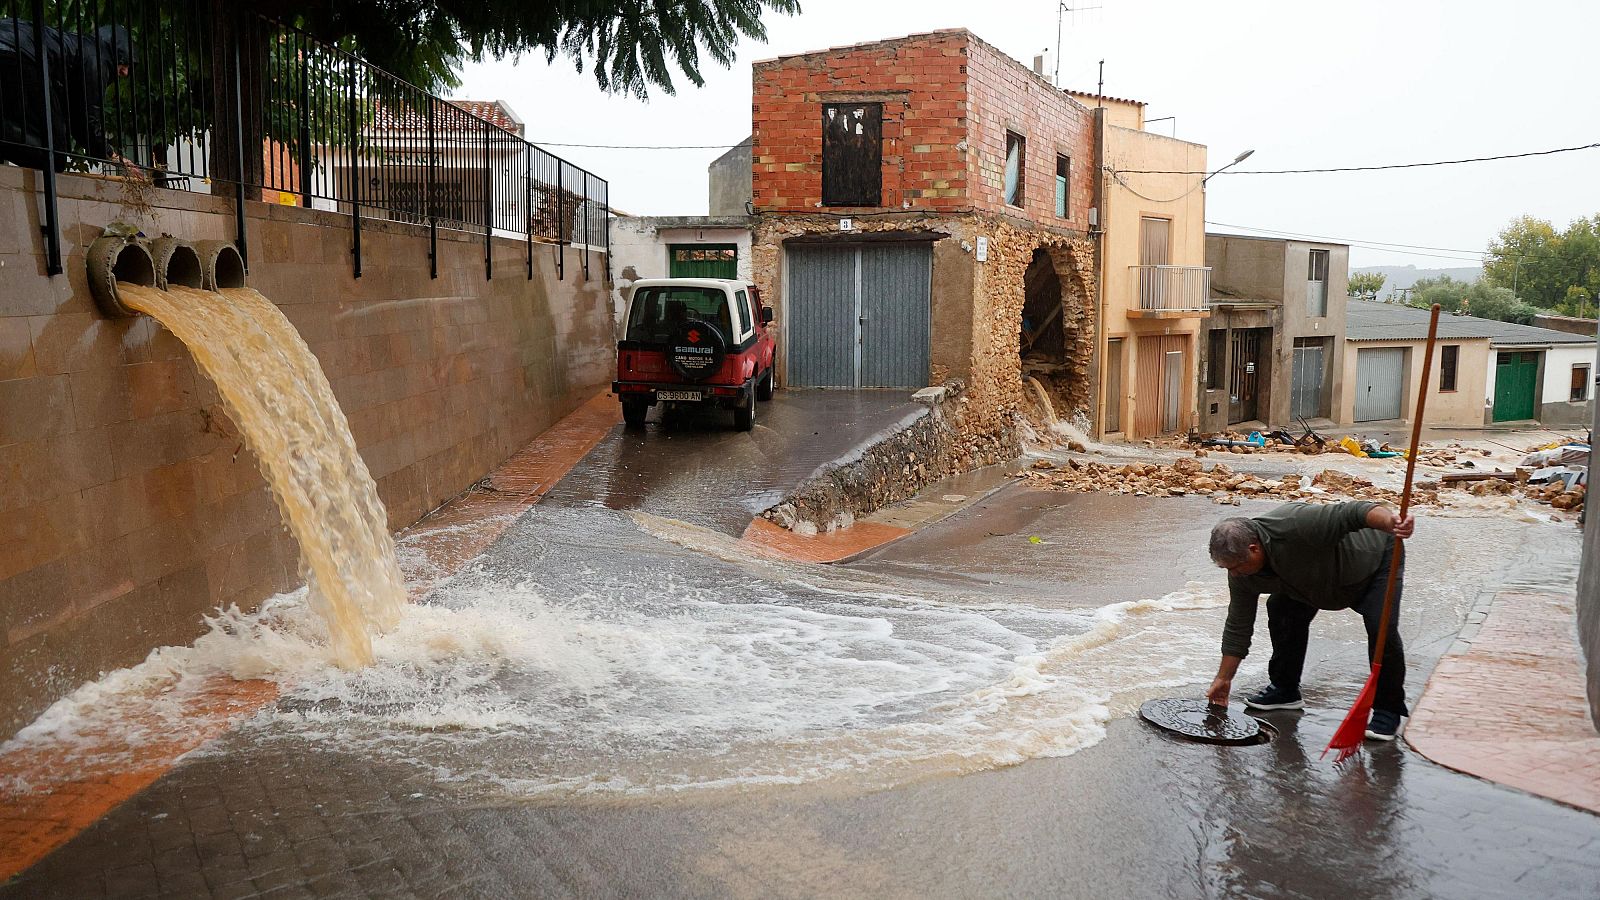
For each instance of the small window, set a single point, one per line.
(1216, 357)
(1016, 168)
(1580, 384)
(1317, 284)
(658, 311)
(745, 313)
(1063, 185)
(852, 154)
(1449, 359)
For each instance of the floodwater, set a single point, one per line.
(615, 700)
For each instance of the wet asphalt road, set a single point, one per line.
(1137, 815)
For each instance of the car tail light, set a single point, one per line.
(725, 391)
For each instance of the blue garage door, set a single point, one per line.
(858, 315)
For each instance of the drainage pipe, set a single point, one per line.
(176, 263)
(114, 258)
(221, 266)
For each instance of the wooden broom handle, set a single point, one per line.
(1397, 557)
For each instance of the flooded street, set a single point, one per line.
(615, 701)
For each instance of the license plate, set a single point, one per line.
(677, 395)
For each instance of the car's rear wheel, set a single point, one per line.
(634, 411)
(764, 387)
(744, 417)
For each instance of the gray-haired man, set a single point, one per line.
(1309, 558)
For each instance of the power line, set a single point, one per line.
(1414, 165)
(641, 146)
(1409, 249)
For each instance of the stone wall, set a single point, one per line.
(128, 504)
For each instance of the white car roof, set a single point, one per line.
(725, 283)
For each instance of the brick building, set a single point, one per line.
(923, 210)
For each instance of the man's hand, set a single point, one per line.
(1220, 689)
(1385, 519)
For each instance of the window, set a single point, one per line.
(1317, 284)
(658, 311)
(1063, 185)
(1016, 167)
(852, 154)
(1216, 357)
(747, 314)
(1449, 358)
(1580, 384)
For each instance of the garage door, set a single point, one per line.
(858, 315)
(1380, 383)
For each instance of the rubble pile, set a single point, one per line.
(1189, 476)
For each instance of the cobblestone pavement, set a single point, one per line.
(1137, 815)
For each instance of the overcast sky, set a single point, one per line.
(1304, 85)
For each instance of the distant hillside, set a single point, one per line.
(1406, 276)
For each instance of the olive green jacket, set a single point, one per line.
(1321, 555)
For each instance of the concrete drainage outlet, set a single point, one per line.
(176, 262)
(1199, 721)
(113, 258)
(221, 266)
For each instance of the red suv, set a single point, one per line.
(695, 341)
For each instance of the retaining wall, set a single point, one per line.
(128, 504)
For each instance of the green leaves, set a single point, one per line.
(1546, 267)
(1366, 285)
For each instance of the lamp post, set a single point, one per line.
(1236, 160)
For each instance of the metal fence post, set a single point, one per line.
(561, 221)
(240, 23)
(488, 204)
(52, 223)
(527, 201)
(305, 123)
(433, 219)
(355, 169)
(587, 215)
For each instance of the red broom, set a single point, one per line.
(1347, 740)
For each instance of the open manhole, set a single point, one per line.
(1200, 721)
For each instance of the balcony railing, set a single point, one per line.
(1172, 288)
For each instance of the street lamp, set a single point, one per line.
(1236, 160)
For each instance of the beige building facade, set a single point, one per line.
(1155, 284)
(1273, 344)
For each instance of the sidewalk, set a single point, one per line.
(1506, 703)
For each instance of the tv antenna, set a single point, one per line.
(1061, 8)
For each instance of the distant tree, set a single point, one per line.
(1473, 298)
(1366, 285)
(1543, 265)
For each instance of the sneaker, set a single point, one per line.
(1384, 725)
(1275, 697)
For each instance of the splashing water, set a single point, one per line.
(275, 391)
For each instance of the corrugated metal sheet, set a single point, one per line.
(859, 315)
(1367, 320)
(822, 316)
(896, 281)
(1305, 385)
(1380, 383)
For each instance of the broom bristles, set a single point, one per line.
(1353, 730)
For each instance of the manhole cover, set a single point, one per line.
(1198, 720)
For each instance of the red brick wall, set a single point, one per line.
(1005, 95)
(937, 90)
(921, 81)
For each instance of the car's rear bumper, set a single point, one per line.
(675, 392)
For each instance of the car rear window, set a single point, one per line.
(657, 310)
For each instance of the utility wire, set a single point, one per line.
(641, 146)
(1409, 249)
(1415, 165)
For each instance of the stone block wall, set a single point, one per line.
(129, 506)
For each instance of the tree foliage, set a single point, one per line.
(1366, 285)
(1472, 298)
(1546, 267)
(632, 46)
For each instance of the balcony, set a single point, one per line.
(1170, 292)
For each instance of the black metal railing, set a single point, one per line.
(195, 95)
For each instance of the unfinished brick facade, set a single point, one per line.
(948, 101)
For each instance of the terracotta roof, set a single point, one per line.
(1090, 95)
(405, 118)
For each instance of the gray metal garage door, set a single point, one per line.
(858, 315)
(1380, 383)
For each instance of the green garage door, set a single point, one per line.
(1516, 375)
(703, 261)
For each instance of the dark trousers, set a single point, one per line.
(1289, 623)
